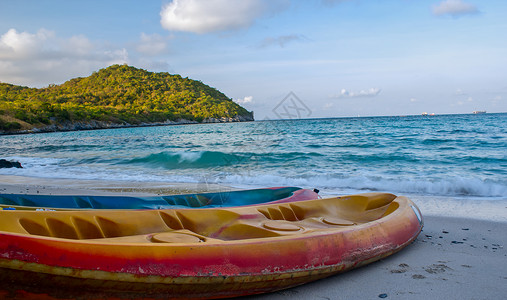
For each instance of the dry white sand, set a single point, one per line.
(453, 258)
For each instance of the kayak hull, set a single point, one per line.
(200, 200)
(255, 250)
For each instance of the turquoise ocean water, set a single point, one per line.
(447, 155)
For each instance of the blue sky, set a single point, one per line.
(341, 57)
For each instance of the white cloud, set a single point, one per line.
(204, 16)
(413, 100)
(152, 44)
(371, 92)
(245, 100)
(40, 58)
(78, 44)
(14, 45)
(454, 8)
(282, 40)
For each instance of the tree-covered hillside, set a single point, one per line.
(117, 95)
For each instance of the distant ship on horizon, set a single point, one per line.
(479, 112)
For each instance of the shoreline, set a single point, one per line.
(430, 205)
(213, 121)
(453, 257)
(88, 127)
(10, 184)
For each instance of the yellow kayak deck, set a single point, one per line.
(204, 253)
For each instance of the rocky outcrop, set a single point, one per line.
(91, 125)
(77, 126)
(9, 164)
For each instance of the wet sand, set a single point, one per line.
(43, 186)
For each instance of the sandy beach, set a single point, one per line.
(453, 258)
(43, 186)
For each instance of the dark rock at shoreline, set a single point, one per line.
(9, 164)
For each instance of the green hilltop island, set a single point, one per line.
(117, 96)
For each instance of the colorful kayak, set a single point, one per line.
(202, 200)
(197, 253)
